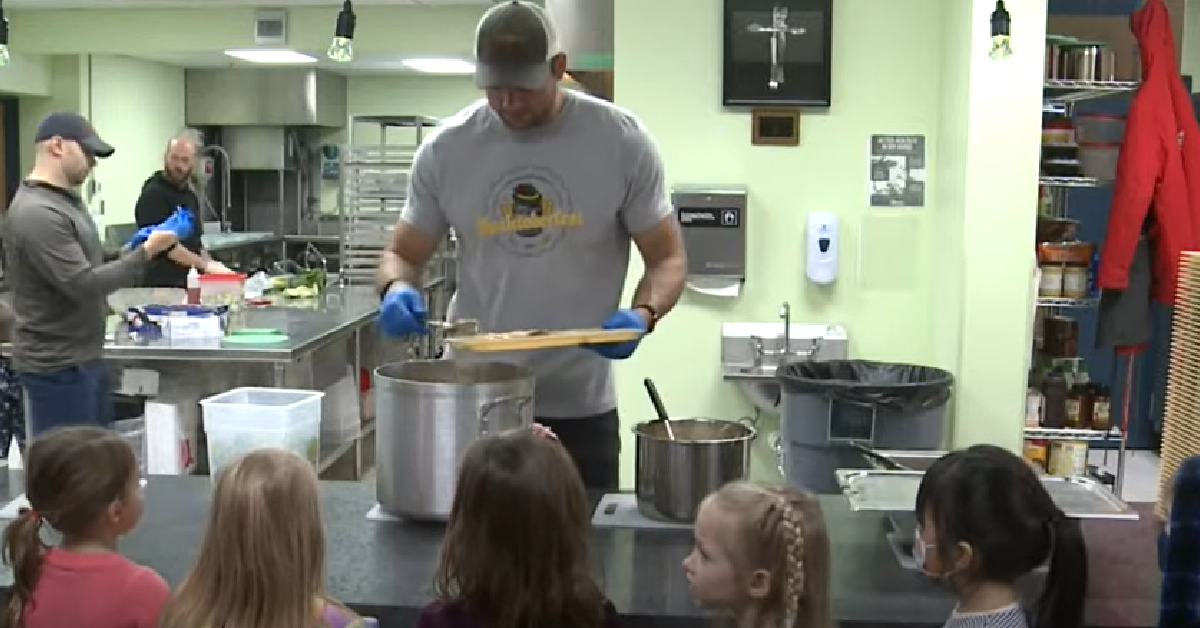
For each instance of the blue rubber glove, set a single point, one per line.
(139, 237)
(403, 311)
(622, 319)
(180, 223)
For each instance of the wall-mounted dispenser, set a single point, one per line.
(713, 220)
(822, 245)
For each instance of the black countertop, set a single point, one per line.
(384, 569)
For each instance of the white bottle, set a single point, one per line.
(193, 287)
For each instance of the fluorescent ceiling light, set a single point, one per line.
(440, 66)
(256, 55)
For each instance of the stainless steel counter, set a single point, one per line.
(325, 345)
(226, 241)
(341, 312)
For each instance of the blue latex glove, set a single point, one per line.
(180, 223)
(139, 237)
(622, 319)
(403, 311)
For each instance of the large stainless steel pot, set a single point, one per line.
(427, 412)
(674, 476)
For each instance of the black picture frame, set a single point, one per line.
(807, 65)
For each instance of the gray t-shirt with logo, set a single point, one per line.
(544, 219)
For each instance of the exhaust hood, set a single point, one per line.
(264, 97)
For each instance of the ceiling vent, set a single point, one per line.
(270, 27)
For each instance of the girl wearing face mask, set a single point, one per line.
(761, 554)
(985, 521)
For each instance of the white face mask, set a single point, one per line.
(920, 549)
(921, 554)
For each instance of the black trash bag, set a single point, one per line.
(904, 388)
(128, 407)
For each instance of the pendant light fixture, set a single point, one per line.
(1001, 41)
(4, 59)
(342, 48)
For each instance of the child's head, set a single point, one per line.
(82, 482)
(262, 561)
(762, 553)
(985, 518)
(516, 545)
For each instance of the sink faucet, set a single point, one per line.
(781, 354)
(785, 312)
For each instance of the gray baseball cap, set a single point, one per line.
(514, 44)
(72, 126)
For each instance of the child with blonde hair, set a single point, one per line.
(82, 482)
(761, 554)
(515, 553)
(262, 561)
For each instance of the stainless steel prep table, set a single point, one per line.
(324, 344)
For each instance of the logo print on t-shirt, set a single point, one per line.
(528, 212)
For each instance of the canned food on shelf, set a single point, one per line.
(1068, 458)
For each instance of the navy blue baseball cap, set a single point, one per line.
(514, 44)
(74, 127)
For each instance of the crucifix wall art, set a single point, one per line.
(777, 52)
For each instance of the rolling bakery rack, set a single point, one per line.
(372, 193)
(1061, 284)
(1181, 425)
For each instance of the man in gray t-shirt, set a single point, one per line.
(545, 189)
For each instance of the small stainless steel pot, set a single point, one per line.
(674, 476)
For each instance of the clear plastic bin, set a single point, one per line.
(245, 419)
(222, 289)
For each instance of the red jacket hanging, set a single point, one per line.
(1158, 172)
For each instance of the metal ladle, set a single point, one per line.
(659, 408)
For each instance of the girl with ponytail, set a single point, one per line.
(83, 483)
(985, 520)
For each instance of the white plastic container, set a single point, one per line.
(134, 431)
(1099, 160)
(245, 419)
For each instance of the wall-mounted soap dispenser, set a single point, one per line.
(822, 244)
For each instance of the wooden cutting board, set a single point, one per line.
(532, 340)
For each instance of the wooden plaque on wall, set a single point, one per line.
(775, 127)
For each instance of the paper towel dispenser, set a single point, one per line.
(713, 222)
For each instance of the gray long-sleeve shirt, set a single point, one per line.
(57, 278)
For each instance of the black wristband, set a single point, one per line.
(388, 286)
(165, 252)
(652, 312)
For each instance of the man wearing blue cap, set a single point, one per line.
(58, 279)
(545, 189)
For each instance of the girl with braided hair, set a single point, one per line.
(985, 520)
(761, 554)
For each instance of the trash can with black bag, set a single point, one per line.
(830, 407)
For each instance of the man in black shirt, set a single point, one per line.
(162, 193)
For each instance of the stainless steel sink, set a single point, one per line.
(747, 372)
(915, 460)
